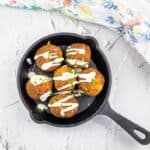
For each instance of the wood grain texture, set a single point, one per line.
(130, 93)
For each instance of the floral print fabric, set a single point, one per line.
(110, 13)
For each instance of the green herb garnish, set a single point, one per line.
(48, 43)
(93, 81)
(35, 82)
(46, 80)
(70, 82)
(66, 60)
(80, 93)
(73, 72)
(49, 54)
(42, 107)
(85, 88)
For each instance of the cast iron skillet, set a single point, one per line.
(89, 106)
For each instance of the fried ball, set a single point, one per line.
(39, 87)
(63, 106)
(91, 81)
(78, 55)
(65, 78)
(48, 57)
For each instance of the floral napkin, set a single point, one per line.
(110, 13)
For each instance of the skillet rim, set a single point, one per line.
(105, 101)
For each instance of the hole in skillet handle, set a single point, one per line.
(140, 134)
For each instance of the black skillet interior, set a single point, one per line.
(88, 106)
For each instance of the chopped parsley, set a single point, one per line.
(85, 88)
(73, 72)
(93, 81)
(83, 59)
(35, 82)
(70, 82)
(49, 54)
(41, 107)
(48, 43)
(46, 80)
(80, 93)
(40, 78)
(66, 60)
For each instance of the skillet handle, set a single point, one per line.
(140, 134)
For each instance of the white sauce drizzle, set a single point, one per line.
(65, 76)
(78, 62)
(75, 93)
(64, 92)
(78, 70)
(61, 102)
(53, 56)
(55, 62)
(68, 85)
(42, 107)
(39, 79)
(46, 55)
(31, 74)
(44, 96)
(74, 51)
(78, 93)
(72, 107)
(29, 61)
(87, 77)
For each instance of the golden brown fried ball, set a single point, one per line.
(68, 84)
(39, 87)
(78, 55)
(46, 54)
(93, 87)
(66, 109)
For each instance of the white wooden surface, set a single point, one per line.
(130, 93)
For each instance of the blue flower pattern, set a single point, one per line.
(116, 16)
(110, 19)
(133, 39)
(123, 30)
(109, 4)
(147, 36)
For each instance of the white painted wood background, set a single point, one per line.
(130, 93)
